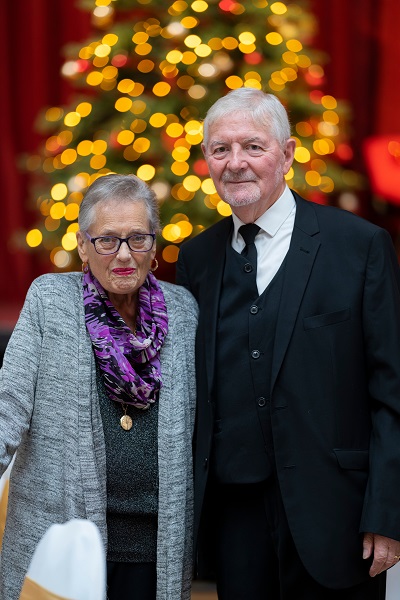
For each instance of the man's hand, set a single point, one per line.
(386, 552)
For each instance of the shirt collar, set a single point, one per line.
(274, 217)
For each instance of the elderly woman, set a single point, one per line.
(97, 397)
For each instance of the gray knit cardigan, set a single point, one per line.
(49, 412)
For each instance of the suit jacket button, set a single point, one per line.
(261, 401)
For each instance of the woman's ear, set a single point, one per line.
(82, 240)
(154, 251)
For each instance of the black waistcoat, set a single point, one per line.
(242, 441)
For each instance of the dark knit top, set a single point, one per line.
(132, 480)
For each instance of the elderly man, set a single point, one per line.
(297, 466)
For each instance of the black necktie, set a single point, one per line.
(248, 233)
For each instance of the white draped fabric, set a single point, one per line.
(393, 583)
(68, 563)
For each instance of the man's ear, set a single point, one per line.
(289, 153)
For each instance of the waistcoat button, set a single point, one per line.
(261, 401)
(255, 354)
(254, 309)
(247, 268)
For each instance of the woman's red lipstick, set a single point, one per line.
(124, 271)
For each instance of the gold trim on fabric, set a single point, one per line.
(33, 591)
(3, 510)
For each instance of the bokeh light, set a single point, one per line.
(144, 83)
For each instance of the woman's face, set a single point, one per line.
(125, 271)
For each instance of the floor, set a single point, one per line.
(206, 591)
(203, 591)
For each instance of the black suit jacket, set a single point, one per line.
(335, 390)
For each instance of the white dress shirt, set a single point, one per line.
(273, 239)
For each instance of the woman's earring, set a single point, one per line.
(155, 267)
(85, 267)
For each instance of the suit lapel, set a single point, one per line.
(299, 262)
(215, 271)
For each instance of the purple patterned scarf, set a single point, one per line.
(130, 364)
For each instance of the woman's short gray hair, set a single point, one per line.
(124, 188)
(265, 109)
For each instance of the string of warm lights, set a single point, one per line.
(144, 84)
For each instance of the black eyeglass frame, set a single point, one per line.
(120, 240)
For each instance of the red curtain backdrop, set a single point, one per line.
(360, 37)
(32, 35)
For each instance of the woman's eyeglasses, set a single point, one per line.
(110, 244)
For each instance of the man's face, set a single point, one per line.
(245, 162)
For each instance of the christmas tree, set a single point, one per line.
(144, 83)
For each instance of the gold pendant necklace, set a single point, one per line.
(126, 421)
